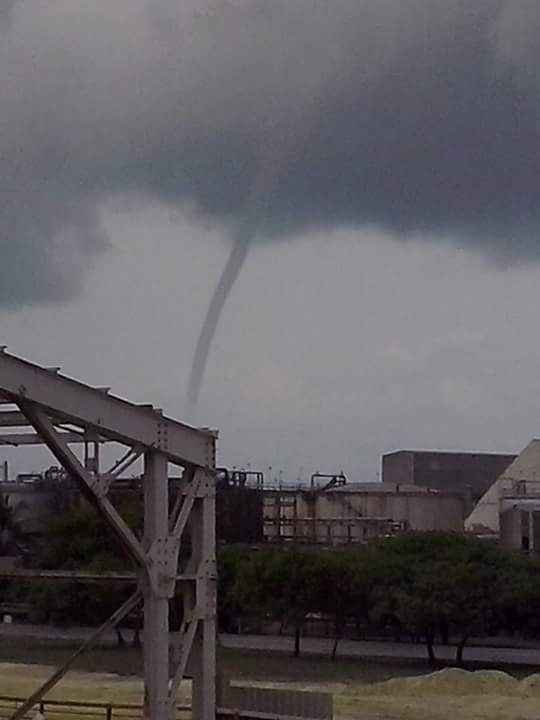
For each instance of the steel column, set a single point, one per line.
(203, 541)
(156, 604)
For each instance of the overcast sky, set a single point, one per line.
(390, 293)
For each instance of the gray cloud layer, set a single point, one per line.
(416, 117)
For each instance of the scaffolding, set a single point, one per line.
(61, 412)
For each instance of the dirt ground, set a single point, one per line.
(362, 690)
(455, 694)
(451, 693)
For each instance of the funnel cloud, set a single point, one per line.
(426, 125)
(217, 303)
(282, 129)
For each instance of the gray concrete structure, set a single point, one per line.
(470, 474)
(358, 512)
(510, 509)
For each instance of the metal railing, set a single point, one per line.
(71, 709)
(68, 709)
(518, 487)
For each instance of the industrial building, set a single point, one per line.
(420, 490)
(510, 510)
(328, 510)
(357, 512)
(470, 474)
(37, 499)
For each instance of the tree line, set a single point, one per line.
(437, 587)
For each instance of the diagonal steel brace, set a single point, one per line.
(88, 484)
(186, 639)
(130, 604)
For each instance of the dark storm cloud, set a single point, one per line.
(418, 117)
(6, 10)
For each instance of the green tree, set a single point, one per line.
(347, 586)
(230, 560)
(279, 585)
(334, 579)
(80, 540)
(451, 581)
(417, 603)
(10, 531)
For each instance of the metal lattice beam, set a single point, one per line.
(20, 439)
(73, 402)
(88, 484)
(9, 418)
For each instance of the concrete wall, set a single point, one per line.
(420, 511)
(485, 516)
(398, 468)
(519, 527)
(275, 702)
(352, 516)
(512, 527)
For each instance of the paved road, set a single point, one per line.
(310, 646)
(384, 650)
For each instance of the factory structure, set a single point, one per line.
(343, 512)
(419, 490)
(59, 412)
(510, 509)
(489, 495)
(470, 474)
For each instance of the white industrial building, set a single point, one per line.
(510, 509)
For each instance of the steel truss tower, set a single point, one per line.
(62, 412)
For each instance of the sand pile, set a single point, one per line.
(530, 686)
(452, 682)
(449, 693)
